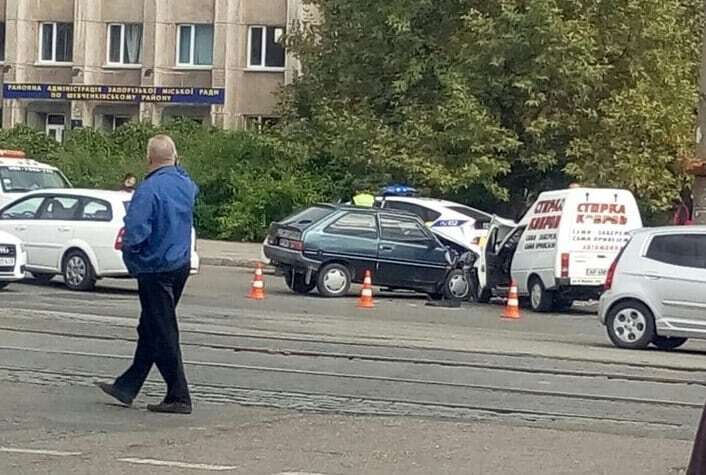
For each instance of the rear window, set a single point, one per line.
(471, 213)
(427, 215)
(684, 250)
(307, 217)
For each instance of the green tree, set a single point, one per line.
(499, 98)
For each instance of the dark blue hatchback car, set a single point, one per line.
(330, 247)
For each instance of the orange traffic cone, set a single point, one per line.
(366, 295)
(257, 290)
(512, 309)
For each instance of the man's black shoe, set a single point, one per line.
(110, 390)
(170, 407)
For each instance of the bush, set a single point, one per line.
(246, 179)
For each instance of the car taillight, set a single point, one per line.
(119, 240)
(609, 276)
(296, 245)
(565, 265)
(475, 241)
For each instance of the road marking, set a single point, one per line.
(53, 453)
(167, 463)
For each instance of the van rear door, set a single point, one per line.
(598, 227)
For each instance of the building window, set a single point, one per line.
(111, 122)
(195, 45)
(56, 42)
(2, 42)
(125, 44)
(56, 126)
(266, 50)
(258, 123)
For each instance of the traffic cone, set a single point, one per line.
(512, 309)
(257, 290)
(366, 295)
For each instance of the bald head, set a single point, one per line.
(161, 151)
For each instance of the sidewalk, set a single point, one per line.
(229, 254)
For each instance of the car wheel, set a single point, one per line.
(78, 272)
(541, 300)
(334, 280)
(298, 283)
(42, 278)
(484, 295)
(631, 325)
(668, 342)
(456, 286)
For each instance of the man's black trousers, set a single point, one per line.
(158, 336)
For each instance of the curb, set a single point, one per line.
(241, 263)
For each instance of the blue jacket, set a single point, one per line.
(159, 222)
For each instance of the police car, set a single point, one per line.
(459, 224)
(19, 175)
(13, 259)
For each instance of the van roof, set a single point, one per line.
(585, 189)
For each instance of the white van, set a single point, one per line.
(561, 249)
(20, 175)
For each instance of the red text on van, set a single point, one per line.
(549, 206)
(601, 213)
(544, 222)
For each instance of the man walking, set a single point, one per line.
(157, 250)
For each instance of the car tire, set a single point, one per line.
(298, 283)
(541, 300)
(456, 286)
(668, 342)
(631, 325)
(3, 285)
(42, 278)
(333, 280)
(484, 295)
(78, 272)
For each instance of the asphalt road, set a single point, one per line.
(302, 382)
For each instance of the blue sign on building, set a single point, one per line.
(125, 94)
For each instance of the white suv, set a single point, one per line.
(655, 289)
(74, 233)
(13, 259)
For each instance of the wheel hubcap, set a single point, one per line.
(75, 271)
(458, 286)
(335, 281)
(629, 325)
(536, 295)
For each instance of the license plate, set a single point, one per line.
(596, 272)
(7, 262)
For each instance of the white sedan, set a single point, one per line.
(74, 233)
(13, 259)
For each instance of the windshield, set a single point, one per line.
(24, 179)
